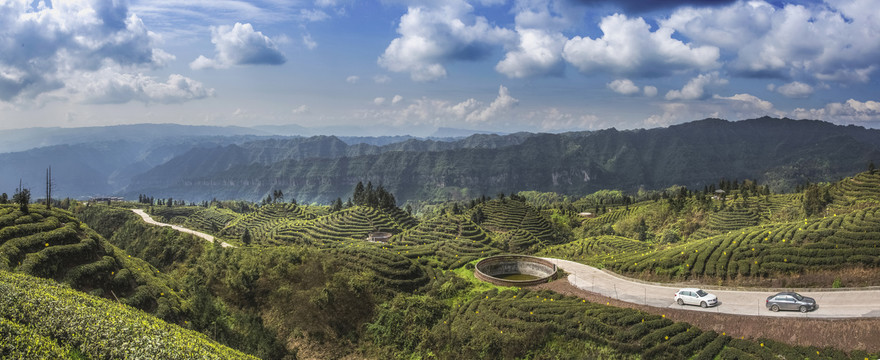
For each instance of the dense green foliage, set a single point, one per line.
(43, 319)
(770, 236)
(528, 324)
(54, 244)
(309, 283)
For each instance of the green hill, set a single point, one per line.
(352, 224)
(825, 248)
(54, 244)
(447, 242)
(519, 226)
(41, 319)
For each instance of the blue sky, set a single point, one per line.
(393, 67)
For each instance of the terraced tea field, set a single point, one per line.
(53, 244)
(447, 241)
(353, 224)
(41, 319)
(831, 243)
(520, 226)
(517, 323)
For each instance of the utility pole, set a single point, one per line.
(49, 188)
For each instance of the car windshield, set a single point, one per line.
(701, 293)
(798, 297)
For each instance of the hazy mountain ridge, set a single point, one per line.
(693, 154)
(24, 139)
(202, 160)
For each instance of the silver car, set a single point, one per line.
(693, 296)
(791, 301)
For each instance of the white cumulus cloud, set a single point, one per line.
(539, 52)
(695, 88)
(239, 44)
(432, 36)
(623, 86)
(47, 47)
(629, 47)
(302, 109)
(309, 42)
(353, 79)
(828, 42)
(113, 87)
(381, 79)
(437, 112)
(650, 91)
(751, 100)
(502, 104)
(795, 89)
(850, 111)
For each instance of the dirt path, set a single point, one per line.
(202, 235)
(832, 304)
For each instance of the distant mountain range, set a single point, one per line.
(201, 163)
(778, 152)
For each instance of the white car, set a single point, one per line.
(692, 296)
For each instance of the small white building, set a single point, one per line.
(379, 237)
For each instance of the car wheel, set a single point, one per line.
(703, 305)
(803, 308)
(774, 308)
(680, 302)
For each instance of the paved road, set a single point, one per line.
(832, 304)
(202, 235)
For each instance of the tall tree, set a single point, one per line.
(246, 236)
(358, 196)
(22, 197)
(336, 206)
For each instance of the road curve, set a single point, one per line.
(202, 235)
(832, 304)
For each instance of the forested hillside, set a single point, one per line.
(306, 282)
(781, 153)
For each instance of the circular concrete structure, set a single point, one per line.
(515, 270)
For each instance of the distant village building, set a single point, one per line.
(587, 215)
(107, 199)
(379, 237)
(719, 194)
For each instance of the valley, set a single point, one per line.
(374, 276)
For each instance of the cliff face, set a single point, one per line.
(779, 152)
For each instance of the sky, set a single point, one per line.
(409, 67)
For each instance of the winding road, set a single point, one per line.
(202, 235)
(864, 303)
(832, 303)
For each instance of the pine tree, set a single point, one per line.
(246, 237)
(358, 195)
(336, 206)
